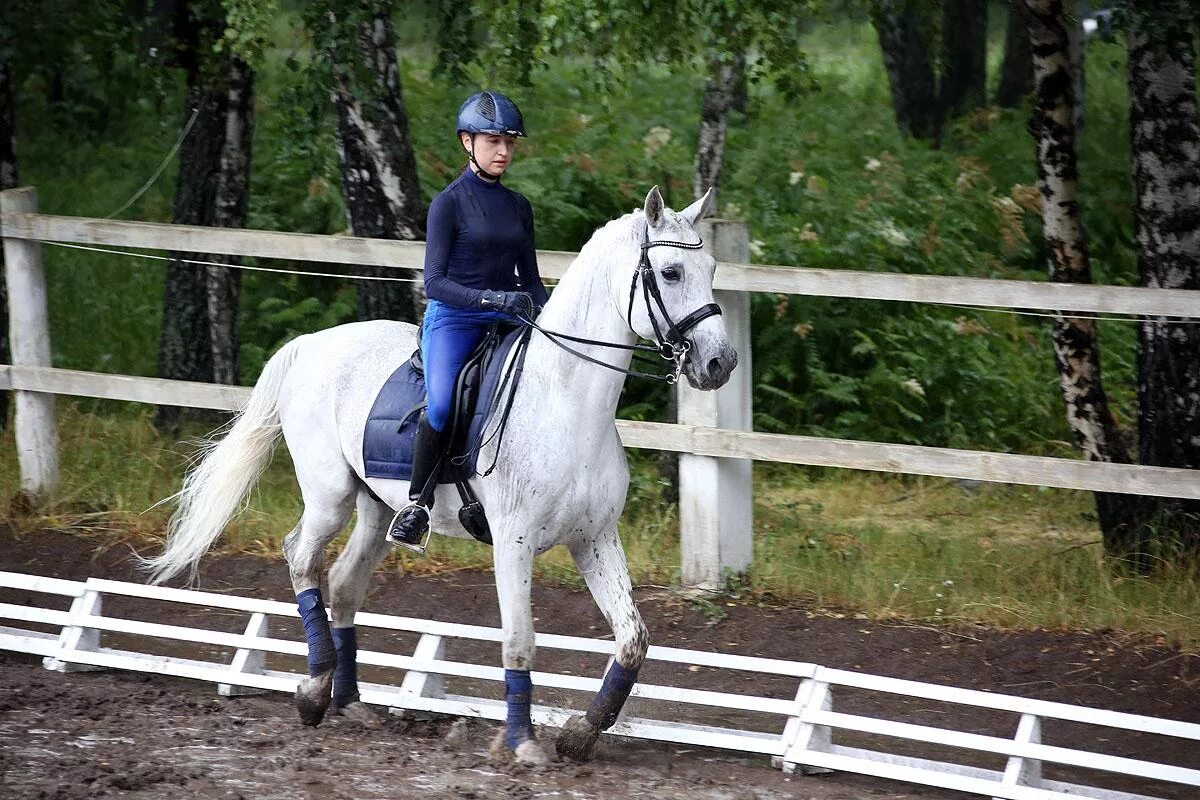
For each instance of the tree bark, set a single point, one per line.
(714, 119)
(199, 340)
(8, 180)
(907, 59)
(1016, 71)
(964, 49)
(379, 169)
(1165, 151)
(1076, 345)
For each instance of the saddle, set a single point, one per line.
(488, 378)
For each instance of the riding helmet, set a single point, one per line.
(490, 112)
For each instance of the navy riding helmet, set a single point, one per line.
(490, 112)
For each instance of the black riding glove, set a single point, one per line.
(515, 303)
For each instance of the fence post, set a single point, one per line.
(716, 504)
(29, 339)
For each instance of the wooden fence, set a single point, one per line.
(713, 434)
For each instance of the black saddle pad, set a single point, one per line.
(392, 423)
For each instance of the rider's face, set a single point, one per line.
(493, 151)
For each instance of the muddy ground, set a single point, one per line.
(113, 734)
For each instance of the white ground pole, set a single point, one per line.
(29, 340)
(796, 723)
(716, 495)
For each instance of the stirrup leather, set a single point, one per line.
(397, 536)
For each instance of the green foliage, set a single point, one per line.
(504, 42)
(813, 196)
(279, 313)
(247, 28)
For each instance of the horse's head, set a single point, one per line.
(669, 299)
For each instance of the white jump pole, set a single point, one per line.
(29, 339)
(716, 503)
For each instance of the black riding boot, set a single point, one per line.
(411, 525)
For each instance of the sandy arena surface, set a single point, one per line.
(118, 734)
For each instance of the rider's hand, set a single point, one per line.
(515, 303)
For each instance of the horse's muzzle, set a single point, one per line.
(713, 371)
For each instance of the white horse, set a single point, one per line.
(561, 477)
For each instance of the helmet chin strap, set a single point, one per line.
(471, 154)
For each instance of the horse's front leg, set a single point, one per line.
(601, 561)
(513, 558)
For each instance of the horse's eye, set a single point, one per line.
(670, 274)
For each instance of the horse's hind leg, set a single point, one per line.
(326, 512)
(348, 581)
(601, 561)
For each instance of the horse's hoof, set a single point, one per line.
(313, 696)
(527, 752)
(531, 752)
(359, 713)
(577, 739)
(459, 735)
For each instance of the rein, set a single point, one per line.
(673, 346)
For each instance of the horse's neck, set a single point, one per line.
(583, 305)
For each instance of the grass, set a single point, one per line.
(881, 547)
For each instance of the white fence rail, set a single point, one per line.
(714, 431)
(797, 725)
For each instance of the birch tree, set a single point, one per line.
(356, 54)
(1165, 153)
(210, 41)
(1075, 340)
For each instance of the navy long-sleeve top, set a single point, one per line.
(480, 237)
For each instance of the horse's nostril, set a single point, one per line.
(714, 366)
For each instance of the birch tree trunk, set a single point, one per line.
(378, 167)
(231, 199)
(714, 121)
(199, 340)
(1016, 71)
(8, 180)
(1165, 151)
(907, 57)
(1076, 346)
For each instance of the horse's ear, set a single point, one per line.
(701, 208)
(654, 208)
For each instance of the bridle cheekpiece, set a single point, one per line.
(673, 345)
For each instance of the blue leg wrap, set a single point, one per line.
(518, 691)
(345, 675)
(321, 655)
(606, 706)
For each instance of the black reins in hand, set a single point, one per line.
(673, 346)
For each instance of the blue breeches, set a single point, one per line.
(448, 335)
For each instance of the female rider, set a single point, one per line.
(480, 267)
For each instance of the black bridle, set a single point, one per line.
(672, 346)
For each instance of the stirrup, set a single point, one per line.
(396, 536)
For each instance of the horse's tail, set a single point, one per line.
(216, 488)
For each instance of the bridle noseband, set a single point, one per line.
(672, 346)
